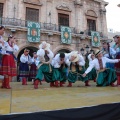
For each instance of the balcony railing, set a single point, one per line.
(88, 32)
(44, 26)
(23, 23)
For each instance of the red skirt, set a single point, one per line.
(117, 65)
(33, 71)
(8, 66)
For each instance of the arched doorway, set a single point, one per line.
(32, 49)
(63, 51)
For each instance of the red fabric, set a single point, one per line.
(117, 66)
(8, 66)
(100, 63)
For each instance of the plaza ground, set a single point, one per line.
(21, 98)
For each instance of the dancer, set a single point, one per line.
(25, 61)
(77, 63)
(105, 76)
(45, 56)
(60, 64)
(8, 68)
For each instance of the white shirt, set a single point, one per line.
(7, 47)
(35, 60)
(1, 46)
(56, 60)
(41, 54)
(90, 59)
(25, 59)
(95, 63)
(112, 52)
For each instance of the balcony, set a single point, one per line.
(23, 24)
(88, 32)
(13, 22)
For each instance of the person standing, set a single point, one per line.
(8, 68)
(105, 76)
(25, 61)
(45, 56)
(117, 65)
(2, 30)
(33, 66)
(108, 52)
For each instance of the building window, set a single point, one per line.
(91, 24)
(1, 9)
(63, 19)
(32, 14)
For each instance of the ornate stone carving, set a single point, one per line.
(91, 13)
(63, 7)
(36, 2)
(78, 2)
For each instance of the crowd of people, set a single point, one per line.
(104, 65)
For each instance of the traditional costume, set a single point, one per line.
(8, 67)
(33, 66)
(92, 74)
(105, 76)
(60, 70)
(1, 46)
(110, 53)
(76, 69)
(117, 65)
(25, 61)
(45, 56)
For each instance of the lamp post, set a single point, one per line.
(82, 51)
(50, 17)
(14, 9)
(92, 51)
(87, 49)
(86, 56)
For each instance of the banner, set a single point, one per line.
(95, 38)
(33, 33)
(65, 35)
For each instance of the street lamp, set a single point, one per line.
(82, 51)
(91, 51)
(87, 48)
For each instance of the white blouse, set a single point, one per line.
(25, 59)
(41, 54)
(56, 61)
(95, 63)
(7, 47)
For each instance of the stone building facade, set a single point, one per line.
(81, 16)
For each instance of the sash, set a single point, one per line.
(11, 53)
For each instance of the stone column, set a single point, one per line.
(103, 19)
(78, 18)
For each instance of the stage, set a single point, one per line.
(21, 98)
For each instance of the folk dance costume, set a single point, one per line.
(76, 69)
(1, 49)
(25, 61)
(105, 76)
(45, 56)
(110, 53)
(8, 68)
(117, 65)
(33, 66)
(60, 69)
(92, 74)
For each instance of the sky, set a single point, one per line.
(113, 15)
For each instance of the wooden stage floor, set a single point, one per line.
(26, 99)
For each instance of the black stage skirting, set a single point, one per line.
(101, 112)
